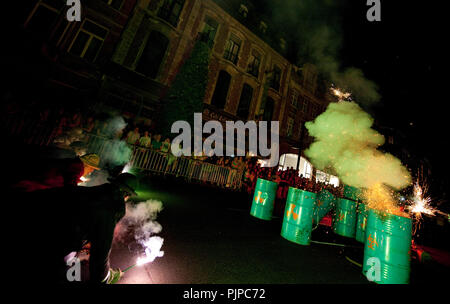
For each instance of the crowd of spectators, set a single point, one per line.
(61, 126)
(285, 179)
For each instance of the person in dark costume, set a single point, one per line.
(61, 219)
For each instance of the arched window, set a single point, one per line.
(153, 54)
(245, 101)
(221, 92)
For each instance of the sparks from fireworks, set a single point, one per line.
(420, 202)
(340, 94)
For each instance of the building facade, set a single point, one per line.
(78, 52)
(124, 54)
(248, 78)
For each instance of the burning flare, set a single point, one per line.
(420, 203)
(152, 250)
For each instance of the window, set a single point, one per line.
(115, 4)
(209, 31)
(268, 109)
(43, 17)
(232, 49)
(294, 99)
(290, 126)
(303, 104)
(276, 78)
(253, 66)
(221, 91)
(88, 41)
(171, 11)
(245, 101)
(153, 54)
(314, 110)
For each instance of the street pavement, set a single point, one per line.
(210, 238)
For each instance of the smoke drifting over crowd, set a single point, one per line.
(346, 144)
(116, 152)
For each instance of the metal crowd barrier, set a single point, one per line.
(165, 163)
(27, 128)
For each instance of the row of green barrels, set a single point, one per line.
(386, 237)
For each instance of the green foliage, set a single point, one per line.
(186, 94)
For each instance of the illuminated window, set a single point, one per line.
(89, 41)
(232, 49)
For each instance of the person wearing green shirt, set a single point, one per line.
(156, 143)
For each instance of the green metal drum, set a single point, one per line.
(361, 222)
(387, 250)
(298, 216)
(324, 203)
(263, 200)
(344, 220)
(352, 193)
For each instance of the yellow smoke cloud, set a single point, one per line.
(346, 144)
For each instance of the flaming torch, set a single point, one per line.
(83, 181)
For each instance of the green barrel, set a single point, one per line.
(344, 220)
(324, 203)
(352, 193)
(263, 200)
(387, 248)
(361, 222)
(298, 216)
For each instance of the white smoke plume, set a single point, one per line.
(139, 222)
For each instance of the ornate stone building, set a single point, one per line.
(249, 77)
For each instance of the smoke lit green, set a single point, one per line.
(346, 145)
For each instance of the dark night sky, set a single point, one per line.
(397, 54)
